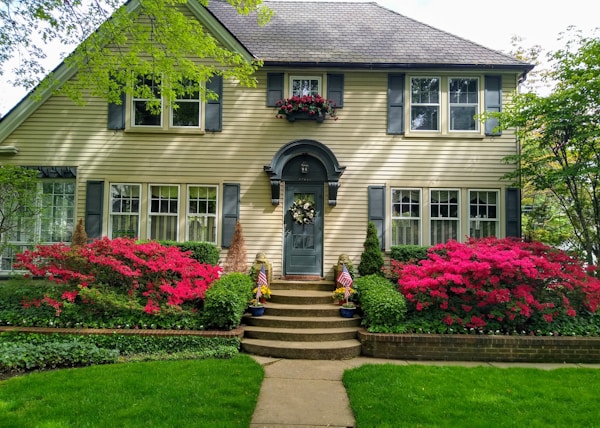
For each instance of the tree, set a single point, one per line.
(236, 260)
(118, 42)
(560, 137)
(371, 260)
(18, 206)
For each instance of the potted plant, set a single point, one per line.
(339, 294)
(265, 293)
(347, 309)
(257, 309)
(306, 107)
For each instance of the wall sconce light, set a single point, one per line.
(304, 167)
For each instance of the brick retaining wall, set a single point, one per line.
(480, 348)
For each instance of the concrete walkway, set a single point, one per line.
(310, 393)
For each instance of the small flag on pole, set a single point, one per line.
(345, 279)
(262, 277)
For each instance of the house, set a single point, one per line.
(404, 151)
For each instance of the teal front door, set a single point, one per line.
(303, 238)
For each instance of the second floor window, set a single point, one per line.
(425, 103)
(305, 85)
(463, 97)
(149, 107)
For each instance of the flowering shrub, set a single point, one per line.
(314, 105)
(160, 275)
(498, 285)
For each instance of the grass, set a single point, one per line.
(443, 396)
(198, 393)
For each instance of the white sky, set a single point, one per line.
(489, 23)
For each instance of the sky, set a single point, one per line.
(491, 24)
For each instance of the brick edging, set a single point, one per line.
(237, 332)
(457, 347)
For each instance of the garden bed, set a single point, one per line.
(458, 347)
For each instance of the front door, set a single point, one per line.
(303, 238)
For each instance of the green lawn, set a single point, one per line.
(190, 393)
(443, 396)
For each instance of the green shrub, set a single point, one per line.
(383, 306)
(371, 259)
(16, 357)
(204, 252)
(226, 301)
(407, 253)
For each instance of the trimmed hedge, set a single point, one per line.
(226, 301)
(204, 252)
(383, 306)
(407, 253)
(29, 351)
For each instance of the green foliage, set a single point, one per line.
(226, 301)
(18, 206)
(560, 138)
(156, 37)
(383, 306)
(407, 253)
(371, 259)
(16, 357)
(203, 252)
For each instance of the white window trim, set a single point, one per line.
(188, 214)
(458, 212)
(159, 214)
(498, 218)
(110, 211)
(305, 77)
(438, 105)
(420, 218)
(477, 129)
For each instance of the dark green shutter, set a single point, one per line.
(231, 212)
(377, 211)
(513, 212)
(94, 204)
(335, 89)
(493, 102)
(116, 114)
(274, 88)
(395, 104)
(213, 114)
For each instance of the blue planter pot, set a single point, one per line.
(257, 311)
(347, 312)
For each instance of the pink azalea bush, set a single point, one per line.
(162, 276)
(498, 285)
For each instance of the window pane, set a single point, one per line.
(305, 86)
(424, 118)
(147, 89)
(445, 222)
(463, 118)
(463, 96)
(125, 209)
(57, 217)
(202, 210)
(164, 208)
(483, 211)
(143, 116)
(406, 223)
(425, 99)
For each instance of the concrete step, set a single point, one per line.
(301, 297)
(300, 310)
(276, 321)
(321, 285)
(330, 350)
(300, 334)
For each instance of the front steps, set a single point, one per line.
(301, 322)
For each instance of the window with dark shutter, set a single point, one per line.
(231, 212)
(395, 104)
(214, 110)
(94, 204)
(493, 102)
(513, 212)
(335, 89)
(274, 88)
(116, 114)
(377, 211)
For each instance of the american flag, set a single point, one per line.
(262, 277)
(345, 279)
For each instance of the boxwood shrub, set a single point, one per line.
(204, 252)
(407, 253)
(382, 304)
(226, 301)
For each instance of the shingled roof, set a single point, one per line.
(353, 34)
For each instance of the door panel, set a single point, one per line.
(303, 241)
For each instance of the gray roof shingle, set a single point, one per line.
(358, 34)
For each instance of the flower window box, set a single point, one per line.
(307, 107)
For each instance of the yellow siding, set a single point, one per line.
(61, 133)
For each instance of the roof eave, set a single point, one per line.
(525, 68)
